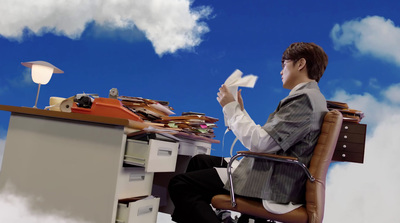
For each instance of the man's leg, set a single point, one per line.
(202, 161)
(191, 194)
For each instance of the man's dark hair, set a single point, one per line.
(315, 56)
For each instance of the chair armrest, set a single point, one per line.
(267, 156)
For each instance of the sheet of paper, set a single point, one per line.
(235, 80)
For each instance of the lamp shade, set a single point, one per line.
(41, 74)
(42, 71)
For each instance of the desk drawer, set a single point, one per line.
(134, 182)
(346, 156)
(192, 148)
(350, 147)
(154, 155)
(351, 137)
(353, 128)
(144, 210)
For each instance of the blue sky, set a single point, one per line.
(182, 52)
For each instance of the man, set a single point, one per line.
(291, 130)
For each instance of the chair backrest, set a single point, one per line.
(322, 156)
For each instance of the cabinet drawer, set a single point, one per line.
(350, 147)
(353, 128)
(154, 155)
(134, 182)
(351, 137)
(144, 210)
(192, 148)
(346, 156)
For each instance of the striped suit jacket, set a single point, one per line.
(295, 126)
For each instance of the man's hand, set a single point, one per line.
(240, 99)
(224, 96)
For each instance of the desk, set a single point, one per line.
(72, 162)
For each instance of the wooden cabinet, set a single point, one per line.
(351, 143)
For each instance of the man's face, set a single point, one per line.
(288, 74)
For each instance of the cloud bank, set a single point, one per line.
(368, 192)
(372, 35)
(170, 25)
(15, 208)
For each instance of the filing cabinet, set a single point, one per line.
(351, 143)
(90, 159)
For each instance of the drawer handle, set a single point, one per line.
(164, 152)
(344, 155)
(135, 177)
(202, 150)
(345, 136)
(344, 146)
(145, 210)
(346, 127)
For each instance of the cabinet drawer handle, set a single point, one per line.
(344, 146)
(344, 155)
(345, 136)
(135, 177)
(145, 210)
(164, 152)
(346, 127)
(202, 150)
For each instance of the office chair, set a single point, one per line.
(313, 211)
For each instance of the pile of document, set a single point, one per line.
(147, 109)
(158, 113)
(349, 115)
(192, 123)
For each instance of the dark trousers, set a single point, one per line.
(191, 192)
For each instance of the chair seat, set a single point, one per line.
(256, 208)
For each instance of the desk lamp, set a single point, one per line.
(41, 73)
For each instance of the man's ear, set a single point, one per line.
(301, 64)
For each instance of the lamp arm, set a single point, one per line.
(37, 96)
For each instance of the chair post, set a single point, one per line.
(229, 170)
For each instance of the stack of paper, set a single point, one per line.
(147, 109)
(192, 123)
(350, 115)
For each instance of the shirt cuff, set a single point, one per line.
(229, 109)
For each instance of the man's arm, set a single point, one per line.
(252, 136)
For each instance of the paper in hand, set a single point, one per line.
(236, 80)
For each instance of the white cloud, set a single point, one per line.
(373, 35)
(169, 24)
(393, 93)
(368, 192)
(14, 208)
(375, 109)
